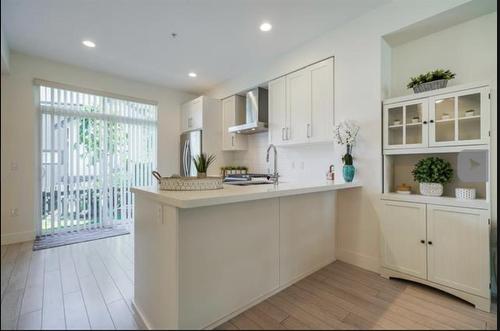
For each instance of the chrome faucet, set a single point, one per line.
(275, 175)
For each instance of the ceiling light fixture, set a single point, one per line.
(266, 27)
(192, 74)
(88, 43)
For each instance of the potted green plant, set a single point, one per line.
(431, 81)
(431, 173)
(202, 162)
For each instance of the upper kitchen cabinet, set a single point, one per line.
(192, 115)
(456, 116)
(301, 105)
(278, 119)
(233, 113)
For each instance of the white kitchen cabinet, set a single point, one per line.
(461, 118)
(233, 113)
(192, 115)
(441, 246)
(403, 241)
(457, 116)
(298, 105)
(278, 119)
(458, 248)
(321, 124)
(301, 106)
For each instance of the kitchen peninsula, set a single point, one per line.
(202, 257)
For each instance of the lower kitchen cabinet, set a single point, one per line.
(458, 248)
(440, 246)
(404, 238)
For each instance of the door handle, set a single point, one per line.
(232, 140)
(422, 241)
(287, 133)
(431, 121)
(308, 130)
(425, 122)
(282, 134)
(429, 242)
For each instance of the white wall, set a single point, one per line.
(468, 49)
(357, 47)
(19, 131)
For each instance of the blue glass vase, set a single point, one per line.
(348, 173)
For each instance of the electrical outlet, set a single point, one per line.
(14, 212)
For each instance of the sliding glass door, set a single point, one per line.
(93, 149)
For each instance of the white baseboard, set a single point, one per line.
(17, 237)
(363, 261)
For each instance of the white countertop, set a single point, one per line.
(234, 193)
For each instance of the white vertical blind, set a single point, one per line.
(94, 148)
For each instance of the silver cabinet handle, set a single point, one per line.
(232, 140)
(308, 130)
(282, 134)
(287, 133)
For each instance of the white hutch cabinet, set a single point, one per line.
(438, 241)
(456, 116)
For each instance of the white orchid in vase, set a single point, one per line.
(346, 133)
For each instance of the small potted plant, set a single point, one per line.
(432, 80)
(345, 134)
(202, 162)
(431, 173)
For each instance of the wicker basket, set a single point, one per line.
(429, 86)
(188, 183)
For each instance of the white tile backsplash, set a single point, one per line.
(295, 163)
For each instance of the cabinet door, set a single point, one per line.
(231, 107)
(403, 238)
(458, 248)
(461, 118)
(196, 114)
(320, 128)
(185, 117)
(228, 118)
(406, 125)
(298, 85)
(277, 111)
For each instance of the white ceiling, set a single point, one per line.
(216, 38)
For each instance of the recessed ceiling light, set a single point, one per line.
(88, 43)
(192, 74)
(266, 27)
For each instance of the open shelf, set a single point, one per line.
(475, 117)
(444, 201)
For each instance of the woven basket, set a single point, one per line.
(188, 183)
(429, 86)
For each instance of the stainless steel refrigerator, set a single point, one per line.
(191, 145)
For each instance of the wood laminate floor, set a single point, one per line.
(90, 286)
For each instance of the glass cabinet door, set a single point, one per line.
(405, 125)
(395, 126)
(460, 118)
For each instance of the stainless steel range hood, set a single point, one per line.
(256, 113)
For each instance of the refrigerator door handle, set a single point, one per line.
(189, 157)
(184, 159)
